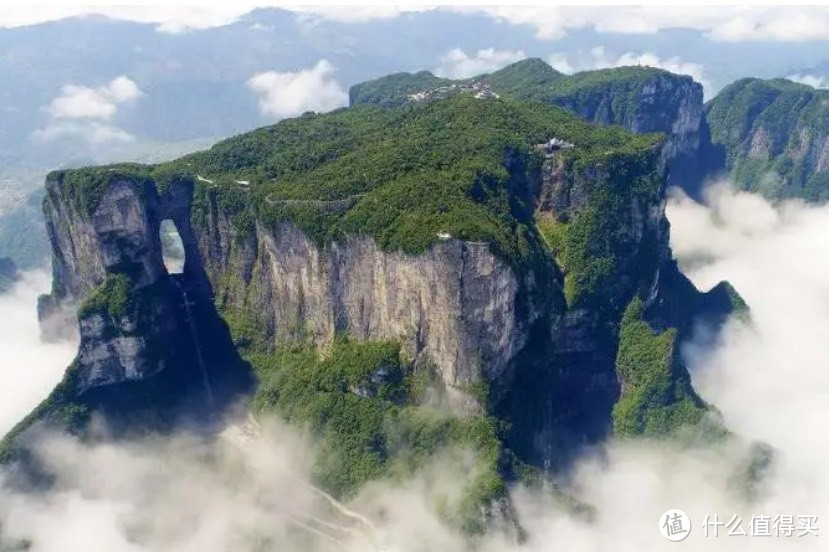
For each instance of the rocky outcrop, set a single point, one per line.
(646, 100)
(454, 305)
(774, 134)
(569, 373)
(86, 247)
(152, 347)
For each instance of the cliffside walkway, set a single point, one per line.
(331, 206)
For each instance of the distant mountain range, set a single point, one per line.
(194, 84)
(60, 108)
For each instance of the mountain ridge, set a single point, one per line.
(775, 135)
(641, 99)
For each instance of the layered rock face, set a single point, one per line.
(454, 306)
(775, 135)
(647, 100)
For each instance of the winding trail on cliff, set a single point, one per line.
(351, 525)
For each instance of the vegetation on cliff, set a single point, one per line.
(775, 133)
(368, 407)
(113, 297)
(83, 188)
(528, 79)
(394, 89)
(462, 166)
(606, 96)
(403, 176)
(641, 99)
(657, 398)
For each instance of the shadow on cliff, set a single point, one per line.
(201, 379)
(203, 382)
(559, 404)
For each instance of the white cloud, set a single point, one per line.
(84, 102)
(30, 368)
(599, 58)
(94, 133)
(288, 94)
(82, 112)
(458, 64)
(780, 24)
(769, 379)
(562, 62)
(815, 81)
(725, 23)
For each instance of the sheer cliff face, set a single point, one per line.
(454, 306)
(120, 235)
(85, 248)
(645, 100)
(775, 135)
(152, 352)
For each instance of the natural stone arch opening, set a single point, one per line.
(172, 247)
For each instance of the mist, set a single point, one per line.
(769, 379)
(29, 368)
(768, 376)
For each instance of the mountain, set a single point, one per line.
(22, 233)
(641, 99)
(503, 258)
(776, 136)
